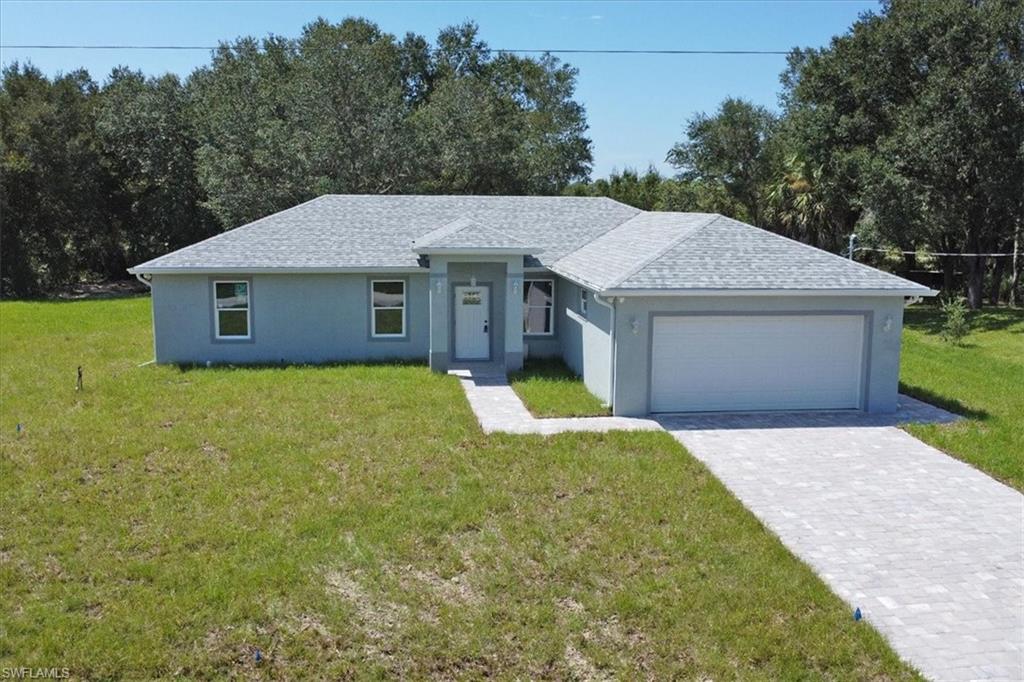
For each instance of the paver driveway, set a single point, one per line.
(930, 549)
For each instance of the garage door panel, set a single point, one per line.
(770, 362)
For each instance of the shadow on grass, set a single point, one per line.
(544, 368)
(184, 367)
(949, 404)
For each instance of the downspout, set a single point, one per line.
(610, 305)
(148, 281)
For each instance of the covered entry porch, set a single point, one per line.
(476, 311)
(476, 295)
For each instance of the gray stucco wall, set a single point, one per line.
(326, 318)
(295, 318)
(586, 340)
(632, 350)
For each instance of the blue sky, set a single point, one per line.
(636, 105)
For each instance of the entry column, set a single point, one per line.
(439, 313)
(514, 313)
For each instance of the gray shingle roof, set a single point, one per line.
(597, 242)
(374, 231)
(621, 251)
(464, 233)
(727, 254)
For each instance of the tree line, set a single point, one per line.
(908, 131)
(96, 177)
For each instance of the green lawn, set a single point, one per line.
(550, 389)
(983, 380)
(352, 521)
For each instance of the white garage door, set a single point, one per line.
(756, 362)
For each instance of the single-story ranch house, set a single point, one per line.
(658, 312)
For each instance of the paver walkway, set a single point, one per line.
(499, 409)
(929, 548)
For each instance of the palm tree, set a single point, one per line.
(797, 203)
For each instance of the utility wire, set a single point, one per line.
(497, 50)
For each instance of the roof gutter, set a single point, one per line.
(610, 305)
(564, 274)
(770, 292)
(473, 251)
(142, 269)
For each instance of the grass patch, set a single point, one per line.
(353, 521)
(549, 388)
(983, 380)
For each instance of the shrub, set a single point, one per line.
(955, 325)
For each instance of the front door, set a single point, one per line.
(472, 323)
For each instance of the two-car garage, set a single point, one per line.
(751, 362)
(712, 315)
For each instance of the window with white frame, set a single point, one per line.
(387, 313)
(538, 306)
(231, 309)
(584, 299)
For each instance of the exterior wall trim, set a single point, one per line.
(212, 303)
(535, 277)
(406, 317)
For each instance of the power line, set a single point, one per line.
(497, 50)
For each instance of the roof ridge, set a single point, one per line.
(672, 243)
(456, 226)
(862, 266)
(451, 227)
(231, 231)
(560, 197)
(639, 211)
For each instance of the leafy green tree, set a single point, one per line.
(348, 108)
(498, 124)
(145, 131)
(733, 150)
(642, 191)
(918, 113)
(54, 190)
(350, 113)
(467, 137)
(654, 192)
(554, 150)
(246, 159)
(94, 179)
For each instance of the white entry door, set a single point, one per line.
(756, 362)
(472, 323)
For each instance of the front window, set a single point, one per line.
(538, 306)
(231, 309)
(387, 315)
(584, 299)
